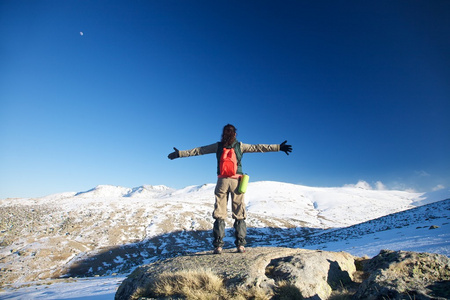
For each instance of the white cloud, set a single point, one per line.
(401, 187)
(422, 173)
(81, 33)
(438, 187)
(380, 186)
(361, 184)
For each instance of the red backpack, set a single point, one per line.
(228, 163)
(229, 160)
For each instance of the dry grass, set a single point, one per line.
(286, 291)
(254, 293)
(189, 284)
(198, 285)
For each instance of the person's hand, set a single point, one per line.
(285, 148)
(174, 154)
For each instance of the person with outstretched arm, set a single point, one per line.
(229, 153)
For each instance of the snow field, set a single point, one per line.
(109, 230)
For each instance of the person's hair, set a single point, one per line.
(228, 135)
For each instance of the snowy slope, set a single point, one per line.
(325, 207)
(109, 230)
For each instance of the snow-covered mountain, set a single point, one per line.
(108, 191)
(110, 230)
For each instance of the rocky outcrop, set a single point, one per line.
(406, 275)
(260, 267)
(310, 274)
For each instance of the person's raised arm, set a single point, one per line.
(193, 152)
(249, 148)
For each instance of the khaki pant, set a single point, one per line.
(229, 187)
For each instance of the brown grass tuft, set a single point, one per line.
(286, 290)
(197, 285)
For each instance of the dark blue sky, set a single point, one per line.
(360, 89)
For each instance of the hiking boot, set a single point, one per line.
(241, 249)
(218, 250)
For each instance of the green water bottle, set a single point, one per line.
(243, 184)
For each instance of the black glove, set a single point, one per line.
(175, 154)
(285, 148)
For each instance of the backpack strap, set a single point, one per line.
(237, 149)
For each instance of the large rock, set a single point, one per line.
(258, 267)
(315, 273)
(406, 275)
(308, 274)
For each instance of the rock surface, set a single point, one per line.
(262, 267)
(406, 275)
(314, 274)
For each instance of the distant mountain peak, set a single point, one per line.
(108, 191)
